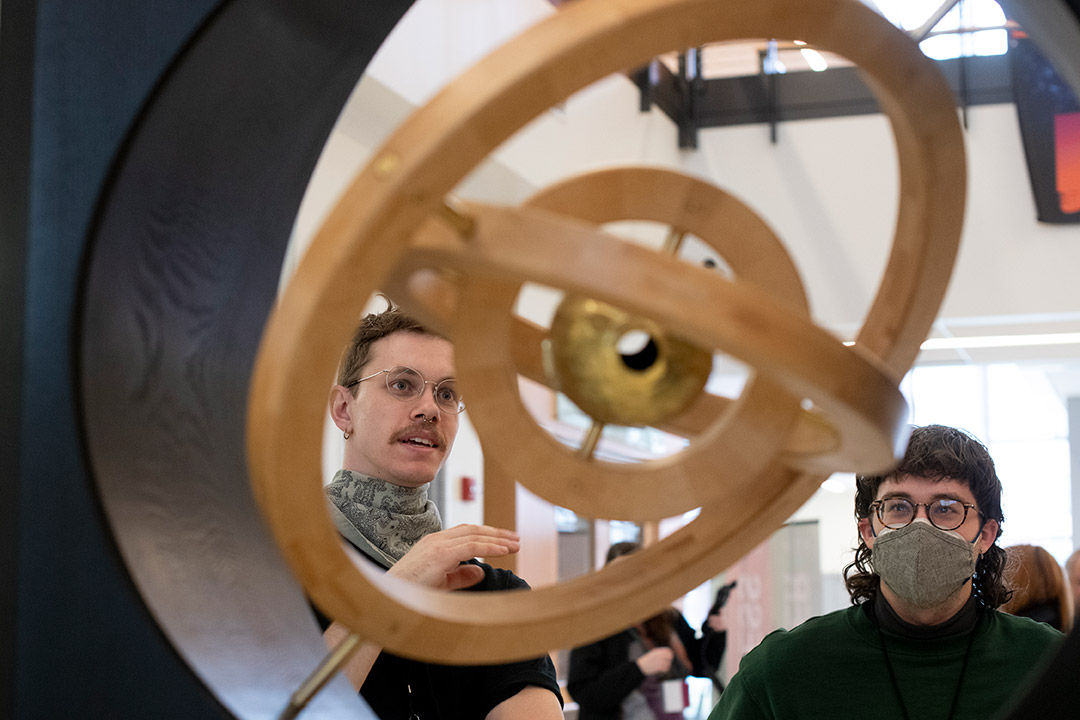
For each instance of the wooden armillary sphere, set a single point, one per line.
(750, 462)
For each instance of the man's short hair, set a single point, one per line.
(373, 327)
(938, 452)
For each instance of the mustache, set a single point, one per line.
(424, 429)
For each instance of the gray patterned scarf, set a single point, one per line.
(379, 516)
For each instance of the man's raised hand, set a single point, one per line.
(436, 559)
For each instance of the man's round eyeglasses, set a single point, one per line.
(943, 513)
(404, 383)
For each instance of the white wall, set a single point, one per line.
(829, 188)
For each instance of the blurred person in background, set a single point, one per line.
(639, 673)
(1072, 569)
(1039, 590)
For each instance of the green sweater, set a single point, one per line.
(831, 668)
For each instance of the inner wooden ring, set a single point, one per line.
(743, 320)
(733, 448)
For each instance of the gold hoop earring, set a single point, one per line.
(346, 435)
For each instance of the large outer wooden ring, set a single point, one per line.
(370, 230)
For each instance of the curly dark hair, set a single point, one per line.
(937, 452)
(374, 326)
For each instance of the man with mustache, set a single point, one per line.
(397, 405)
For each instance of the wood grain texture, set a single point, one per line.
(375, 227)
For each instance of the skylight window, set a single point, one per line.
(971, 27)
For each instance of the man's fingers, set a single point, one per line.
(462, 542)
(463, 576)
(492, 550)
(465, 530)
(468, 549)
(434, 560)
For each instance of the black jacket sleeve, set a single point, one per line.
(504, 680)
(602, 675)
(705, 652)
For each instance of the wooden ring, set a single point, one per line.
(798, 358)
(369, 232)
(734, 447)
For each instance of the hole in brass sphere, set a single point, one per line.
(638, 350)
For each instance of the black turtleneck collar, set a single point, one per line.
(961, 623)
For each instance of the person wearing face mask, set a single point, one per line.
(923, 638)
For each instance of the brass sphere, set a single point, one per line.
(644, 385)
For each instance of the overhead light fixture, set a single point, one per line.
(996, 341)
(835, 485)
(814, 59)
(992, 341)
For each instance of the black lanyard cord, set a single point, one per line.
(959, 680)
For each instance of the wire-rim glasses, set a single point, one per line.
(943, 513)
(405, 384)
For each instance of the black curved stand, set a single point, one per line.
(180, 272)
(183, 268)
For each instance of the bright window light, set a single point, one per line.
(997, 341)
(1022, 417)
(814, 59)
(991, 341)
(944, 42)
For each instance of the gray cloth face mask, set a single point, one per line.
(922, 564)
